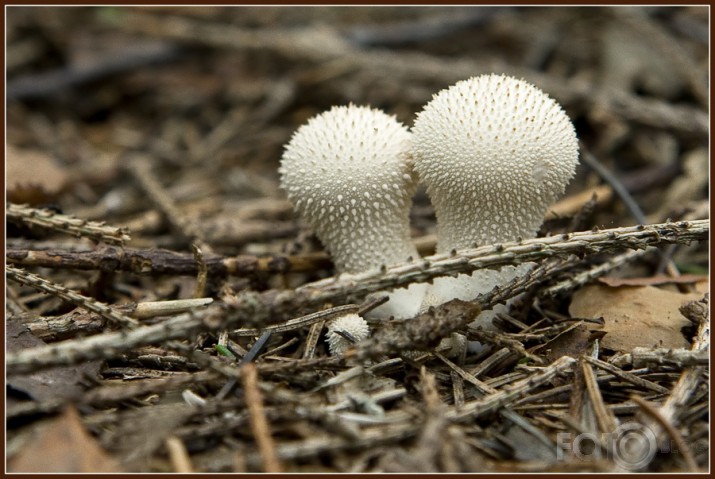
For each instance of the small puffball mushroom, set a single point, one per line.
(348, 174)
(351, 326)
(494, 152)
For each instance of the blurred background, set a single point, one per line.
(209, 95)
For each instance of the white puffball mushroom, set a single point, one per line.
(348, 174)
(494, 152)
(351, 325)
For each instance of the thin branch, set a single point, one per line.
(86, 323)
(493, 402)
(140, 168)
(178, 455)
(101, 346)
(626, 376)
(311, 341)
(618, 188)
(259, 423)
(595, 272)
(49, 220)
(607, 422)
(485, 389)
(109, 344)
(647, 357)
(263, 309)
(29, 279)
(303, 321)
(260, 308)
(107, 395)
(420, 333)
(163, 262)
(203, 273)
(669, 429)
(152, 309)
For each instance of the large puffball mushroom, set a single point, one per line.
(345, 331)
(348, 174)
(494, 152)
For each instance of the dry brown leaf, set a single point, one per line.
(573, 343)
(62, 382)
(29, 170)
(571, 205)
(643, 316)
(63, 446)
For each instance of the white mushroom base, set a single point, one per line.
(404, 303)
(468, 287)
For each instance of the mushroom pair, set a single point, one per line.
(493, 151)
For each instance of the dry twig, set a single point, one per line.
(492, 402)
(23, 277)
(163, 262)
(140, 168)
(259, 424)
(252, 308)
(48, 219)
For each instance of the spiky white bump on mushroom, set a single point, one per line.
(348, 174)
(345, 331)
(494, 152)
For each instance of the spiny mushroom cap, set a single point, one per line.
(348, 174)
(352, 324)
(494, 153)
